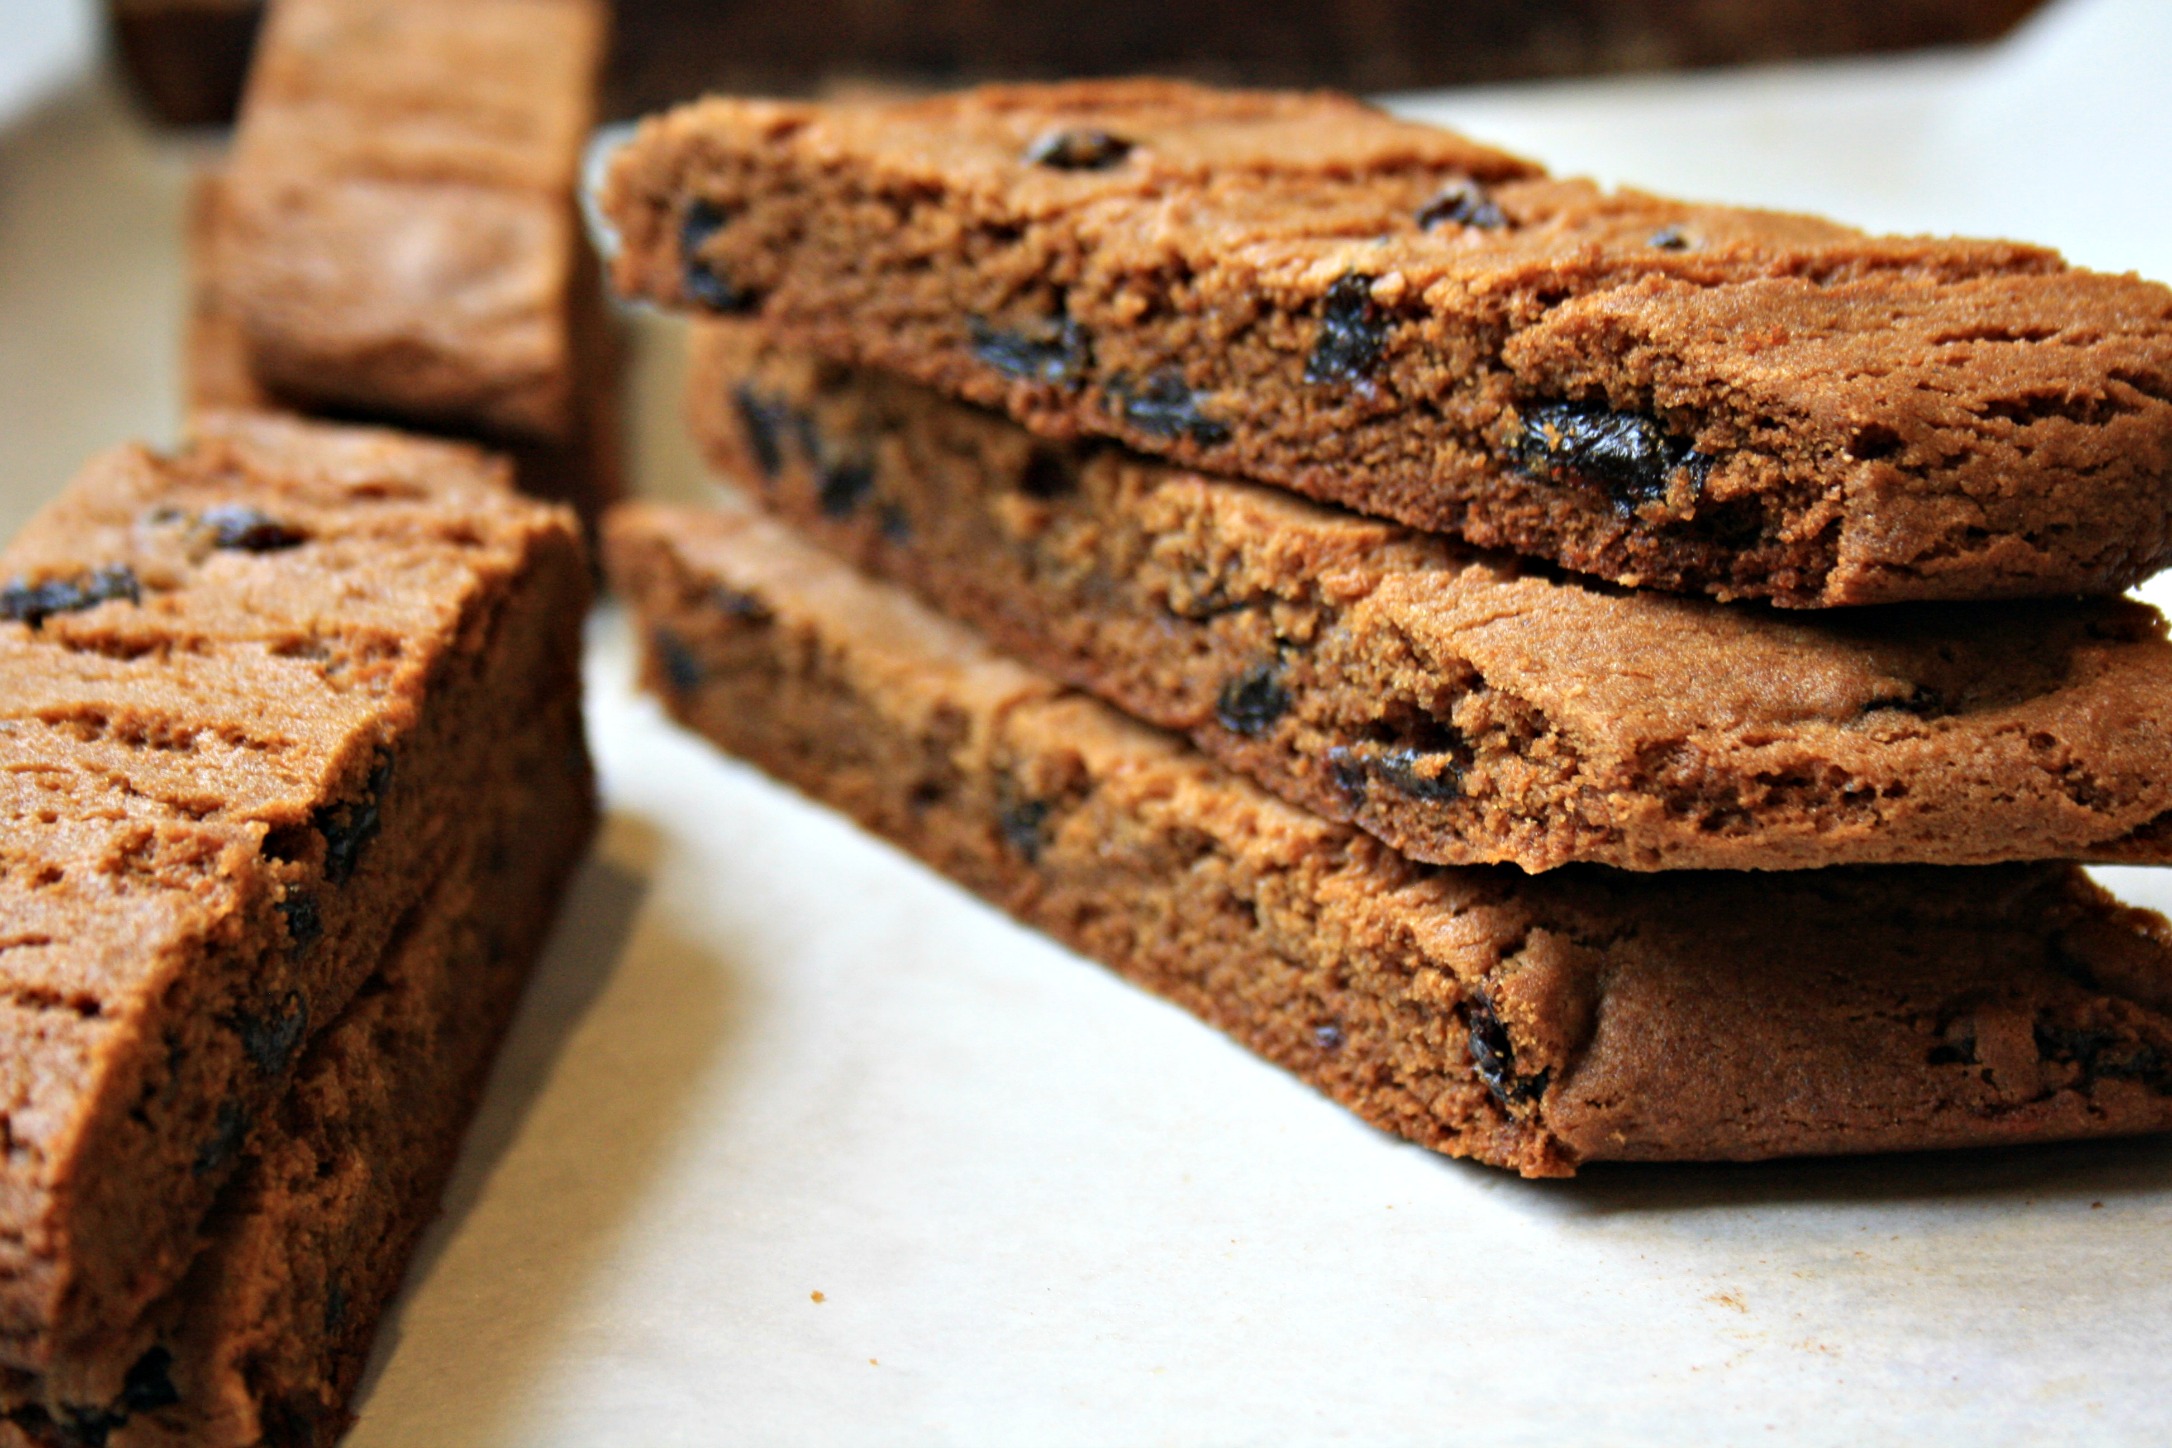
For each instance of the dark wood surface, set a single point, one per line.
(186, 55)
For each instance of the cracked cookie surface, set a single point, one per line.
(1303, 291)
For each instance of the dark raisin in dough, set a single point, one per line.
(33, 603)
(1466, 204)
(250, 530)
(704, 283)
(1082, 148)
(1352, 333)
(1056, 351)
(1164, 406)
(845, 486)
(1628, 454)
(1252, 702)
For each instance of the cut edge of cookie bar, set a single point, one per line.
(1466, 708)
(266, 1337)
(1373, 313)
(1536, 1023)
(318, 628)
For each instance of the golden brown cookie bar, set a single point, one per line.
(397, 234)
(245, 692)
(1534, 1022)
(1467, 708)
(265, 1338)
(1300, 290)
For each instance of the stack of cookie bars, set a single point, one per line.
(1572, 674)
(296, 774)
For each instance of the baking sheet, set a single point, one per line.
(793, 1143)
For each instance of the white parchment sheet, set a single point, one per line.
(794, 1143)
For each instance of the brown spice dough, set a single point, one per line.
(1300, 290)
(266, 1337)
(1531, 1022)
(398, 236)
(238, 690)
(1465, 708)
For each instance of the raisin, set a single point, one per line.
(704, 284)
(1627, 453)
(2094, 1052)
(1081, 148)
(1466, 204)
(82, 1426)
(236, 525)
(227, 1130)
(1399, 768)
(1166, 407)
(1328, 1037)
(1048, 475)
(895, 527)
(735, 604)
(1494, 1054)
(33, 603)
(149, 1384)
(844, 486)
(681, 669)
(1252, 701)
(304, 928)
(1025, 827)
(1346, 767)
(1669, 238)
(763, 420)
(335, 1307)
(348, 828)
(1056, 351)
(1923, 701)
(1352, 333)
(270, 1044)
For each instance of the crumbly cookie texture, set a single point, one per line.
(238, 688)
(1534, 1022)
(399, 233)
(1466, 708)
(1300, 290)
(266, 1337)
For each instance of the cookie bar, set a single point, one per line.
(1300, 290)
(1534, 1022)
(245, 694)
(265, 1338)
(1462, 707)
(397, 230)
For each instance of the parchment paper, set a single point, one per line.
(794, 1143)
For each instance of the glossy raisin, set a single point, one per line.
(1165, 406)
(1465, 203)
(1025, 825)
(270, 1043)
(682, 671)
(1402, 769)
(704, 284)
(1056, 350)
(348, 828)
(1251, 702)
(304, 928)
(1353, 332)
(1628, 454)
(763, 420)
(34, 603)
(1670, 238)
(1494, 1054)
(1328, 1037)
(1079, 148)
(735, 604)
(249, 530)
(227, 1130)
(843, 487)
